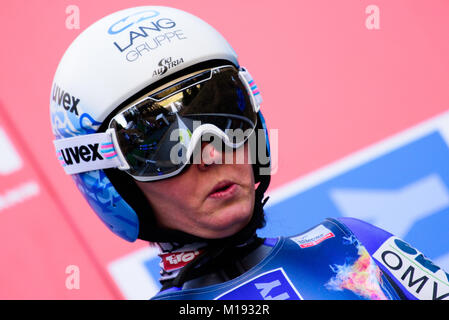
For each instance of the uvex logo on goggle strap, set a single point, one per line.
(87, 152)
(91, 152)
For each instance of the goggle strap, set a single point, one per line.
(89, 152)
(252, 88)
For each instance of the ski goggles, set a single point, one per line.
(156, 137)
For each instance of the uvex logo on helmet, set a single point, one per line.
(65, 99)
(80, 154)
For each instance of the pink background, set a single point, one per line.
(330, 86)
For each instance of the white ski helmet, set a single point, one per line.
(109, 65)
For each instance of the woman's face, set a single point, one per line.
(211, 199)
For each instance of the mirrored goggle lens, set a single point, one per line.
(154, 134)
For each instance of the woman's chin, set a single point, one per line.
(227, 221)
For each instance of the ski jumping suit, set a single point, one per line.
(342, 258)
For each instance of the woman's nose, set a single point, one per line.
(210, 155)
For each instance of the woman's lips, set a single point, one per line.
(223, 190)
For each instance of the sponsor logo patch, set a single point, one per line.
(177, 260)
(419, 276)
(313, 237)
(271, 285)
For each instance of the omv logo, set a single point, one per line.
(10, 160)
